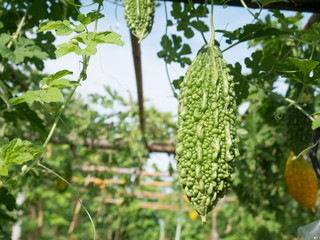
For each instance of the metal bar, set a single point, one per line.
(293, 5)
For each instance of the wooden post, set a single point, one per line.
(110, 219)
(213, 225)
(161, 222)
(36, 212)
(77, 208)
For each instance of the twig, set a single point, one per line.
(165, 60)
(77, 208)
(75, 191)
(15, 35)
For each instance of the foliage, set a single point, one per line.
(44, 124)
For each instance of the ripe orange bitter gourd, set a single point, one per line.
(301, 181)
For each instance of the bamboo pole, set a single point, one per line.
(103, 182)
(128, 171)
(138, 70)
(77, 209)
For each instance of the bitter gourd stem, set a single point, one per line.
(211, 43)
(204, 220)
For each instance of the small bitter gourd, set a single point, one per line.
(299, 126)
(206, 136)
(139, 15)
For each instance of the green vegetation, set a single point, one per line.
(49, 135)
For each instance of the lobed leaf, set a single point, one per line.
(49, 79)
(17, 152)
(305, 65)
(108, 37)
(65, 48)
(173, 50)
(43, 95)
(63, 28)
(316, 123)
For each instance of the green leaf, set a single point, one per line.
(305, 65)
(4, 39)
(64, 49)
(186, 18)
(7, 199)
(90, 49)
(23, 48)
(15, 100)
(299, 70)
(63, 28)
(108, 37)
(176, 83)
(51, 95)
(252, 31)
(89, 18)
(49, 25)
(44, 95)
(241, 86)
(62, 83)
(36, 150)
(17, 152)
(79, 28)
(173, 50)
(49, 79)
(4, 142)
(30, 96)
(316, 123)
(107, 104)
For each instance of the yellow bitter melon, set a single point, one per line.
(139, 15)
(301, 181)
(206, 136)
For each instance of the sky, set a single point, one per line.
(113, 65)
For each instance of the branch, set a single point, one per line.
(16, 34)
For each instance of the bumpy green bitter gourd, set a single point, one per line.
(206, 137)
(299, 126)
(139, 15)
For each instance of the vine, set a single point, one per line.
(50, 90)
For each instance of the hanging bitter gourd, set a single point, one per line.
(299, 126)
(301, 181)
(139, 15)
(206, 136)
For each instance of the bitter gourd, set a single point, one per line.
(139, 15)
(299, 126)
(206, 136)
(301, 181)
